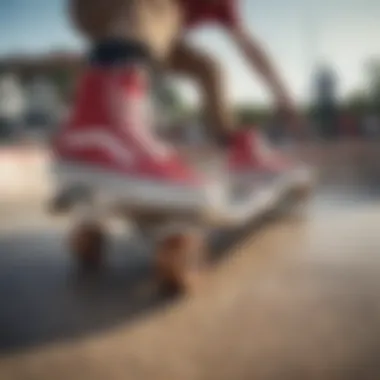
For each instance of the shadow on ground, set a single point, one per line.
(45, 299)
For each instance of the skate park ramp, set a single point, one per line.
(288, 298)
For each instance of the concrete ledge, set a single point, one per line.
(24, 173)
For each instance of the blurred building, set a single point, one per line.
(43, 102)
(47, 83)
(61, 68)
(12, 105)
(374, 85)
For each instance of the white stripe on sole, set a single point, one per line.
(211, 203)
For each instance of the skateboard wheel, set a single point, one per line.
(303, 192)
(178, 261)
(87, 244)
(298, 202)
(59, 205)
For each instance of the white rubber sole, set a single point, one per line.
(212, 204)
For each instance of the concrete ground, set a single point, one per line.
(287, 299)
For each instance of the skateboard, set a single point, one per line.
(178, 233)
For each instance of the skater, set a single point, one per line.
(110, 147)
(94, 17)
(109, 139)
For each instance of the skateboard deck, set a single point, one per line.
(178, 233)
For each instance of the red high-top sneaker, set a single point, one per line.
(108, 146)
(252, 158)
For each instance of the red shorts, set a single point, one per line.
(223, 12)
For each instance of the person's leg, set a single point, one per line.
(92, 18)
(207, 73)
(153, 23)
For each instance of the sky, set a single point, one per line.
(297, 34)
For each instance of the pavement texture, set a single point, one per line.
(288, 298)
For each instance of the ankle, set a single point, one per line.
(115, 50)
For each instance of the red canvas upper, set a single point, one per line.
(111, 127)
(250, 152)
